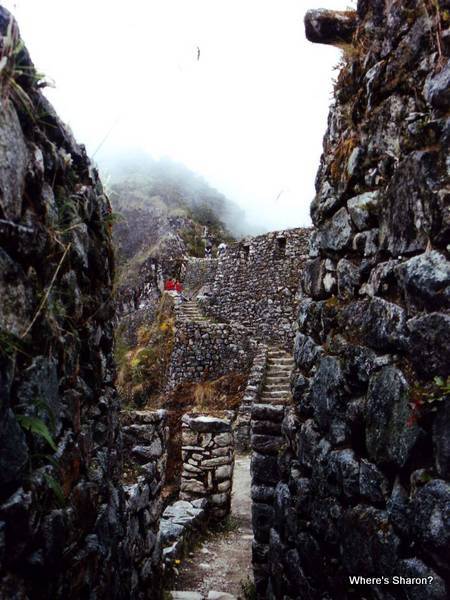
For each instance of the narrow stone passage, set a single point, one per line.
(222, 561)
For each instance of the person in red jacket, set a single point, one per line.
(170, 285)
(178, 287)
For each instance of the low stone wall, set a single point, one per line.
(256, 284)
(145, 436)
(204, 350)
(199, 273)
(181, 524)
(208, 462)
(254, 387)
(266, 441)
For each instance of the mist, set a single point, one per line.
(230, 89)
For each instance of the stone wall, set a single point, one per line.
(145, 436)
(267, 442)
(364, 484)
(68, 526)
(204, 350)
(256, 284)
(208, 462)
(253, 389)
(199, 273)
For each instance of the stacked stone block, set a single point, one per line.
(199, 274)
(68, 528)
(181, 524)
(205, 350)
(364, 484)
(256, 285)
(254, 387)
(145, 456)
(266, 441)
(208, 462)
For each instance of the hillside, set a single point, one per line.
(162, 210)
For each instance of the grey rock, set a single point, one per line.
(313, 278)
(342, 473)
(327, 390)
(16, 305)
(409, 205)
(390, 432)
(441, 439)
(223, 439)
(193, 486)
(262, 493)
(414, 568)
(383, 324)
(266, 412)
(176, 595)
(262, 520)
(264, 469)
(431, 513)
(366, 242)
(224, 472)
(13, 162)
(398, 508)
(14, 450)
(307, 443)
(209, 424)
(437, 88)
(425, 280)
(330, 27)
(363, 209)
(369, 544)
(267, 444)
(348, 278)
(337, 233)
(429, 344)
(373, 485)
(147, 453)
(306, 351)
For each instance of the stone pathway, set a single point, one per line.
(215, 569)
(277, 386)
(189, 311)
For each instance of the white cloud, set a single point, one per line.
(249, 115)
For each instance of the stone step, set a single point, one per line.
(281, 381)
(285, 387)
(280, 361)
(212, 595)
(285, 372)
(274, 394)
(275, 401)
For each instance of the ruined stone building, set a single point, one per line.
(342, 333)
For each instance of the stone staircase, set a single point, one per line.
(189, 311)
(277, 387)
(175, 595)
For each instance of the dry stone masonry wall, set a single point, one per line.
(208, 462)
(206, 350)
(364, 483)
(69, 528)
(253, 389)
(145, 436)
(256, 284)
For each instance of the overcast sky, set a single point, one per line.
(249, 115)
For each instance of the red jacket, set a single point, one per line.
(178, 287)
(170, 285)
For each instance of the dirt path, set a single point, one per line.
(223, 560)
